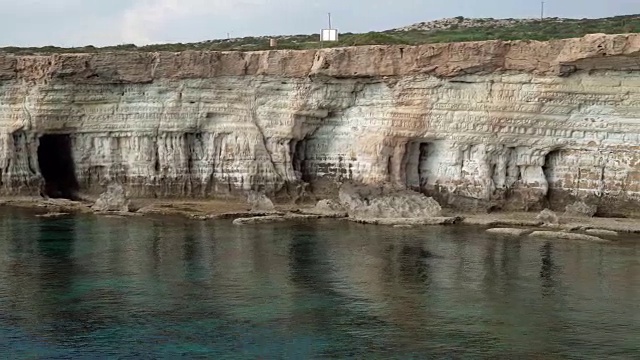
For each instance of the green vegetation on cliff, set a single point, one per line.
(480, 29)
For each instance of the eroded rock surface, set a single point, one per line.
(259, 202)
(548, 217)
(327, 207)
(113, 199)
(579, 208)
(379, 202)
(518, 125)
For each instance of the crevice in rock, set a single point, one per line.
(156, 154)
(189, 139)
(190, 146)
(217, 168)
(194, 152)
(263, 137)
(156, 165)
(56, 164)
(512, 175)
(496, 175)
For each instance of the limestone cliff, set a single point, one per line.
(515, 125)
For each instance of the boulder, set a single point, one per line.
(327, 208)
(259, 220)
(548, 217)
(509, 231)
(482, 221)
(601, 232)
(114, 199)
(579, 208)
(378, 202)
(274, 219)
(260, 202)
(52, 215)
(565, 236)
(437, 220)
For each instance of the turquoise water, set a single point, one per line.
(96, 287)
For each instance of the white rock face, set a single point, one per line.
(522, 125)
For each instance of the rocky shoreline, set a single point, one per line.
(382, 205)
(505, 224)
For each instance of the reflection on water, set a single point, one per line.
(109, 287)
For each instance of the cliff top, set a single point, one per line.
(557, 57)
(457, 29)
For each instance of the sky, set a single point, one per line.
(113, 22)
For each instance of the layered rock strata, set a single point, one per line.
(512, 125)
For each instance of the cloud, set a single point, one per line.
(142, 22)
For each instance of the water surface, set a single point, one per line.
(97, 287)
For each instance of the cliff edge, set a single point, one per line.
(511, 125)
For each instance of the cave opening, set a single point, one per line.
(549, 169)
(417, 165)
(423, 165)
(299, 159)
(55, 161)
(194, 147)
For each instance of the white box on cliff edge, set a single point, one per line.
(329, 35)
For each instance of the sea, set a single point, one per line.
(97, 287)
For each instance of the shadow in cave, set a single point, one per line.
(551, 161)
(298, 151)
(56, 165)
(416, 164)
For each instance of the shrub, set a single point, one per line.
(550, 28)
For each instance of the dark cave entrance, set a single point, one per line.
(299, 159)
(416, 164)
(551, 162)
(423, 166)
(56, 165)
(549, 168)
